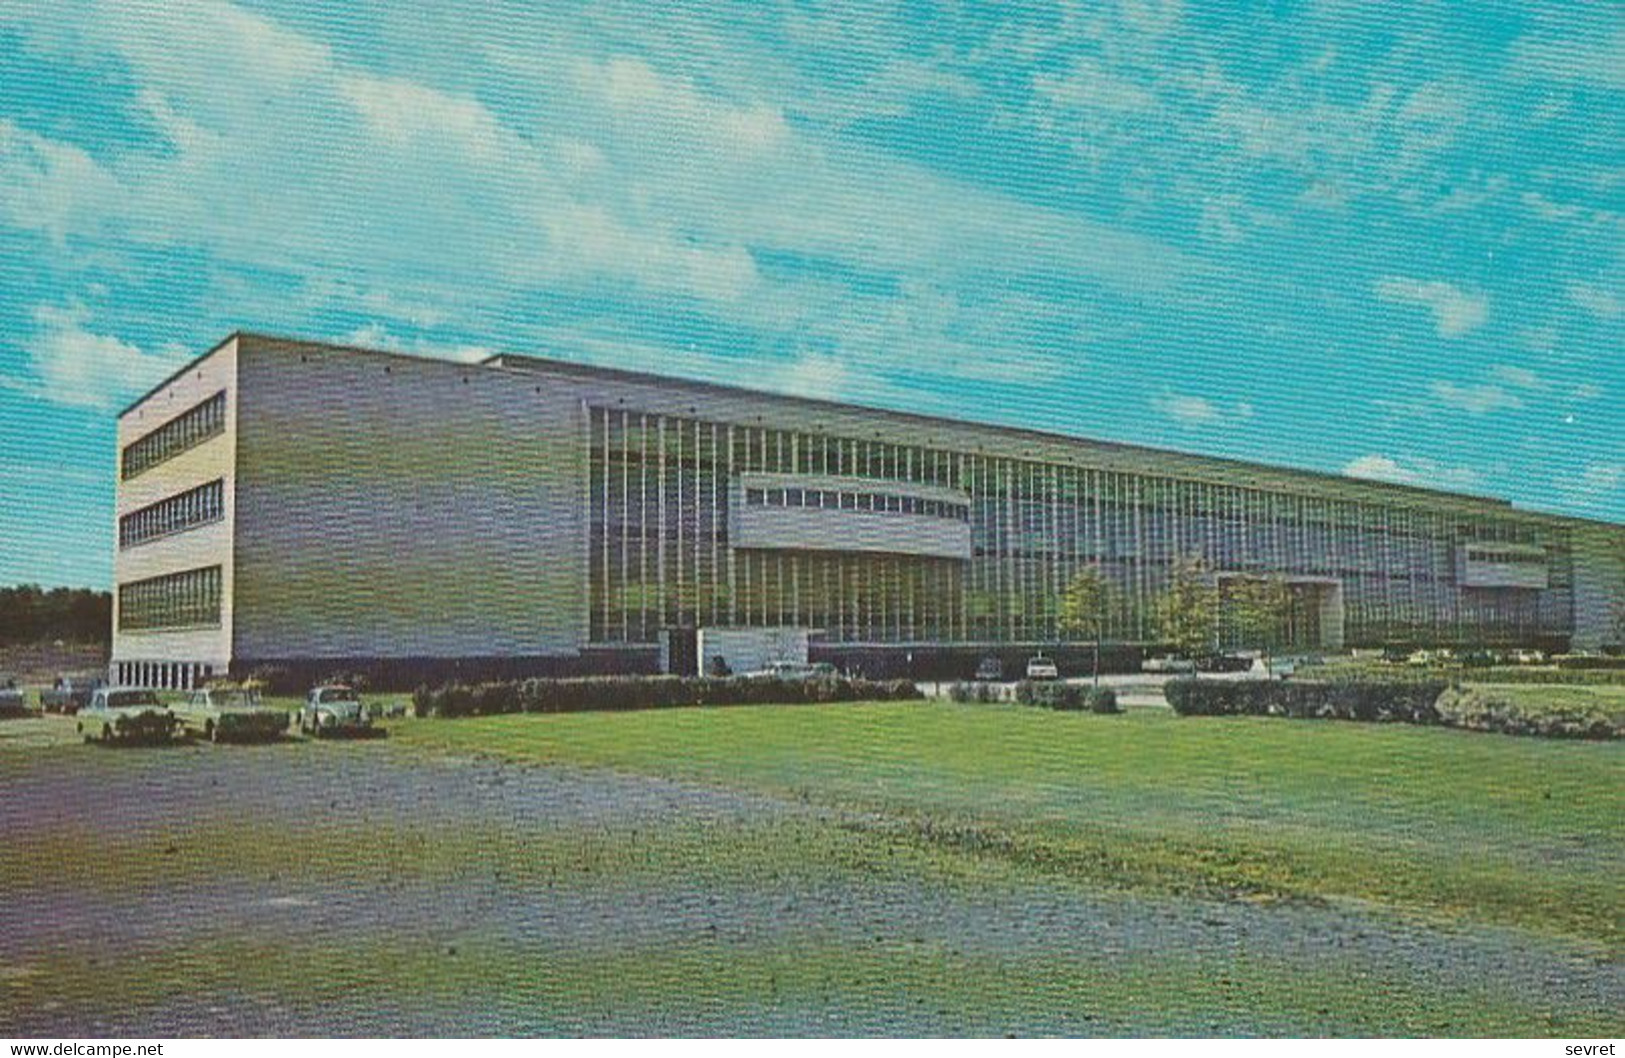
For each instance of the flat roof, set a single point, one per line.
(527, 361)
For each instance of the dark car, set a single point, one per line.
(69, 694)
(1223, 663)
(11, 699)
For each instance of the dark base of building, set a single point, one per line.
(962, 662)
(869, 661)
(297, 675)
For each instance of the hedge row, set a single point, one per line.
(612, 693)
(1589, 661)
(1483, 709)
(976, 692)
(1581, 677)
(1409, 701)
(1065, 697)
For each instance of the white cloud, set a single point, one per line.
(74, 365)
(1455, 311)
(375, 335)
(1600, 302)
(1411, 471)
(1191, 410)
(1089, 86)
(1518, 377)
(1477, 399)
(50, 187)
(1575, 54)
(592, 174)
(818, 375)
(1595, 488)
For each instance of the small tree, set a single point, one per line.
(1083, 610)
(1187, 612)
(1258, 609)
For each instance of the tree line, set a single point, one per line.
(31, 614)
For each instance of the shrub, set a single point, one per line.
(1410, 701)
(1486, 709)
(612, 693)
(1102, 700)
(1050, 695)
(273, 679)
(1588, 661)
(357, 681)
(978, 693)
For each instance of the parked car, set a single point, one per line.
(1223, 663)
(69, 694)
(231, 714)
(1040, 667)
(1167, 663)
(794, 670)
(1528, 657)
(11, 699)
(126, 714)
(990, 668)
(332, 710)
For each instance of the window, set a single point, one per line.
(187, 430)
(174, 514)
(174, 600)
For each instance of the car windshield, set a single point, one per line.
(130, 699)
(336, 694)
(236, 699)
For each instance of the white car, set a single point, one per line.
(126, 714)
(1167, 663)
(1042, 668)
(794, 670)
(334, 709)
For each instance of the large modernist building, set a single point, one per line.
(296, 504)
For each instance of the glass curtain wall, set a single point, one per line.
(659, 553)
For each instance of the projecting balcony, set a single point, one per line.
(790, 512)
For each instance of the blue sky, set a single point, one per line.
(1384, 240)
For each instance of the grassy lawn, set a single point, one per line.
(921, 868)
(1440, 824)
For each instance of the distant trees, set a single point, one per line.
(31, 614)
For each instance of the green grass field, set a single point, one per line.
(1442, 824)
(916, 868)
